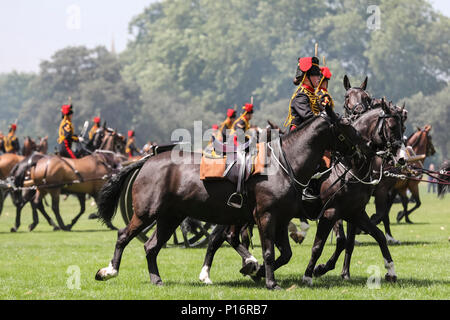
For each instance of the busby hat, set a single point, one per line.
(130, 133)
(248, 107)
(96, 119)
(326, 72)
(306, 66)
(13, 126)
(215, 127)
(231, 113)
(66, 109)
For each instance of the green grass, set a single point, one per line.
(34, 265)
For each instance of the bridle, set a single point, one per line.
(355, 111)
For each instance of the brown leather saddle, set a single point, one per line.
(237, 162)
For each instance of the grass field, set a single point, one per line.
(42, 264)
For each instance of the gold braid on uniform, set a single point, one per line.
(312, 99)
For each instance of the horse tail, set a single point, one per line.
(109, 195)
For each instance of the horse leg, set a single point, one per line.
(404, 199)
(298, 236)
(124, 236)
(267, 234)
(349, 246)
(414, 188)
(18, 215)
(82, 200)
(55, 207)
(364, 223)
(383, 204)
(216, 239)
(321, 269)
(219, 235)
(323, 230)
(40, 206)
(165, 227)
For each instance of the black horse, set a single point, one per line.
(342, 197)
(169, 191)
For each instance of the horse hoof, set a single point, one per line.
(31, 227)
(297, 237)
(308, 281)
(55, 228)
(390, 278)
(345, 276)
(13, 229)
(249, 269)
(319, 271)
(409, 221)
(106, 273)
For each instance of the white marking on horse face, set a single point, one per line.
(390, 267)
(204, 275)
(308, 281)
(108, 272)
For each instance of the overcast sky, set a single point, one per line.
(32, 30)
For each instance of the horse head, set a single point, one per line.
(42, 147)
(357, 100)
(383, 130)
(29, 145)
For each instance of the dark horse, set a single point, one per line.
(386, 191)
(344, 195)
(169, 191)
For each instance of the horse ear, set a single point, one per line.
(347, 84)
(364, 83)
(385, 106)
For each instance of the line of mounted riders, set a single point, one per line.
(326, 169)
(29, 176)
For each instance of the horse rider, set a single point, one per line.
(226, 125)
(130, 147)
(303, 104)
(94, 128)
(308, 101)
(243, 122)
(11, 142)
(65, 132)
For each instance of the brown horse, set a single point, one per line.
(55, 175)
(421, 143)
(168, 191)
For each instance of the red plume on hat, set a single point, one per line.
(215, 127)
(13, 126)
(66, 109)
(231, 113)
(248, 107)
(305, 63)
(97, 119)
(130, 133)
(326, 72)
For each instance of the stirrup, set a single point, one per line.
(237, 204)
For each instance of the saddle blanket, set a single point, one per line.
(213, 168)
